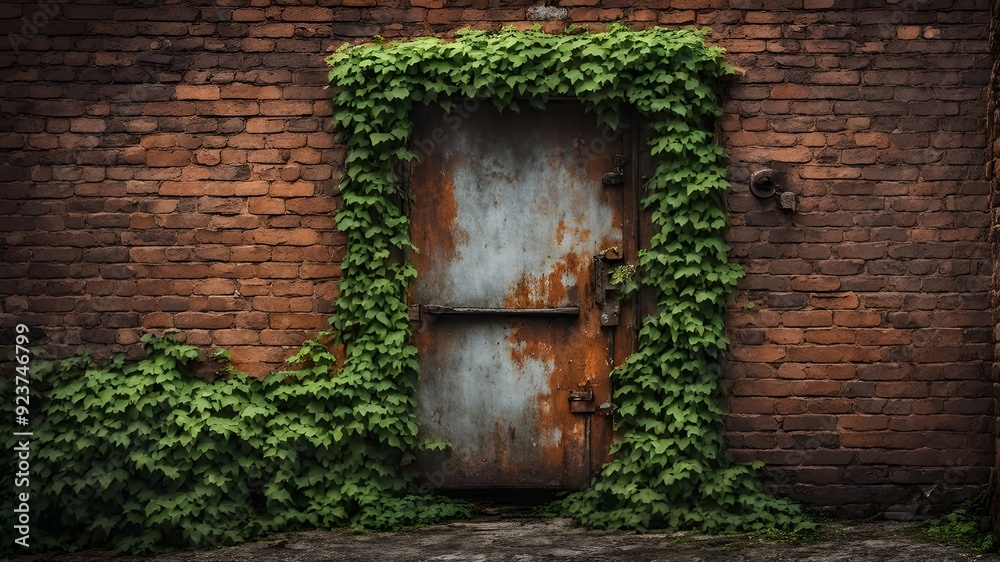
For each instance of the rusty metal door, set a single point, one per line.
(518, 218)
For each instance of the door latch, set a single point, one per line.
(606, 295)
(581, 400)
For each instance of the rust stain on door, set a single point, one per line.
(509, 211)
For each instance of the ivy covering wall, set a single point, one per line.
(670, 469)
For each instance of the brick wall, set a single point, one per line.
(169, 168)
(173, 167)
(861, 374)
(993, 160)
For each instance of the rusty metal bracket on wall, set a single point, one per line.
(766, 183)
(616, 176)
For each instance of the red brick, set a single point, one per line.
(277, 271)
(250, 92)
(212, 253)
(863, 422)
(764, 354)
(815, 283)
(142, 221)
(840, 267)
(267, 156)
(274, 30)
(816, 388)
(171, 109)
(196, 92)
(248, 14)
(761, 388)
(835, 301)
(231, 270)
(215, 287)
(296, 288)
(811, 318)
(257, 46)
(246, 141)
(286, 253)
(830, 405)
(297, 189)
(785, 336)
(319, 271)
(167, 158)
(286, 140)
(158, 320)
(281, 337)
(857, 318)
(203, 320)
(308, 14)
(294, 237)
(831, 336)
(901, 390)
(791, 91)
(265, 125)
(257, 360)
(229, 108)
(185, 271)
(312, 206)
(883, 337)
(809, 423)
(271, 304)
(286, 108)
(183, 220)
(236, 337)
(233, 156)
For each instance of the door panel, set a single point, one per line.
(490, 393)
(509, 212)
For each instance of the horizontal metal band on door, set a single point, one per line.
(437, 309)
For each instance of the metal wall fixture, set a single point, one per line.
(767, 183)
(616, 176)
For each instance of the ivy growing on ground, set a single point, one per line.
(175, 451)
(670, 468)
(967, 526)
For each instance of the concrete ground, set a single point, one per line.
(504, 539)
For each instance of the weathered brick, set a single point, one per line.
(265, 125)
(196, 92)
(319, 271)
(308, 14)
(166, 158)
(215, 287)
(225, 108)
(815, 283)
(249, 91)
(831, 336)
(237, 337)
(271, 29)
(202, 320)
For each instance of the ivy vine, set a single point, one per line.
(670, 468)
(173, 450)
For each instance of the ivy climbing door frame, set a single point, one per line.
(521, 220)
